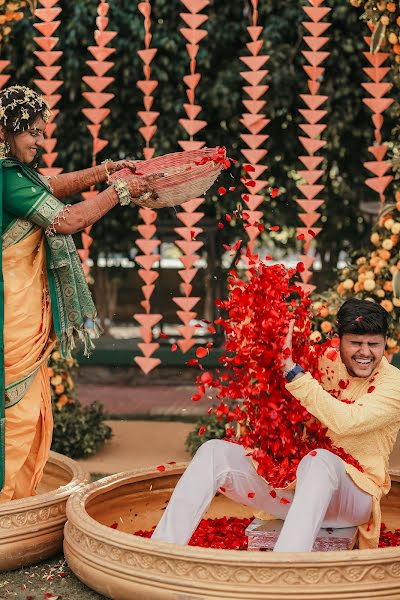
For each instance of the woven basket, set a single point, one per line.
(185, 175)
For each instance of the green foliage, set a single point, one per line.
(79, 431)
(349, 131)
(214, 430)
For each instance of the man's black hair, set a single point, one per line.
(362, 317)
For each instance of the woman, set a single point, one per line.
(43, 292)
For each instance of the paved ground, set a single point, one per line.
(144, 401)
(139, 444)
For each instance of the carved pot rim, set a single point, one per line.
(78, 517)
(78, 475)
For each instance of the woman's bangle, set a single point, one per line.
(107, 160)
(123, 193)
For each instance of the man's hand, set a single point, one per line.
(287, 360)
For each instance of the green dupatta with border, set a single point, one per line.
(71, 300)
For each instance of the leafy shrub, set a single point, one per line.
(214, 429)
(78, 431)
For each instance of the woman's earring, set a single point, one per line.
(4, 150)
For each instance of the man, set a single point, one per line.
(362, 414)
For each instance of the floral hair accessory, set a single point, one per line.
(19, 106)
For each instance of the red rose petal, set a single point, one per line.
(201, 352)
(274, 192)
(160, 468)
(370, 389)
(251, 495)
(313, 453)
(221, 191)
(202, 430)
(220, 225)
(274, 228)
(174, 348)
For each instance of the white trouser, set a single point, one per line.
(325, 496)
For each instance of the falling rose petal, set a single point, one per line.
(260, 227)
(313, 453)
(300, 236)
(210, 411)
(221, 191)
(206, 378)
(251, 495)
(222, 489)
(163, 335)
(311, 232)
(161, 468)
(202, 430)
(232, 188)
(174, 348)
(274, 192)
(274, 228)
(201, 352)
(228, 218)
(227, 163)
(284, 501)
(332, 354)
(196, 397)
(192, 362)
(272, 493)
(114, 525)
(212, 329)
(335, 341)
(371, 389)
(220, 225)
(300, 267)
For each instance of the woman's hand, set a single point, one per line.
(114, 166)
(139, 185)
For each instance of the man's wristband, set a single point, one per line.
(293, 372)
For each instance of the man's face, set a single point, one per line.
(361, 354)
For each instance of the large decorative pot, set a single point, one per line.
(122, 566)
(31, 529)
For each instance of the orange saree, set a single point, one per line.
(28, 341)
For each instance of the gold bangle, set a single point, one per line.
(123, 193)
(107, 160)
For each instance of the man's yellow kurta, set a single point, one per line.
(366, 426)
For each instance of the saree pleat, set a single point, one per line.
(28, 340)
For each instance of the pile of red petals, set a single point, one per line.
(227, 533)
(277, 431)
(389, 538)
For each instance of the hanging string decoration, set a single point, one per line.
(189, 216)
(147, 243)
(254, 121)
(378, 104)
(98, 98)
(312, 130)
(47, 25)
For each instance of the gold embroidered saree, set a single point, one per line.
(43, 296)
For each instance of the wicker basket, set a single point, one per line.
(185, 175)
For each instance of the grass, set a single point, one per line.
(50, 580)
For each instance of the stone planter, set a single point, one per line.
(31, 529)
(122, 566)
